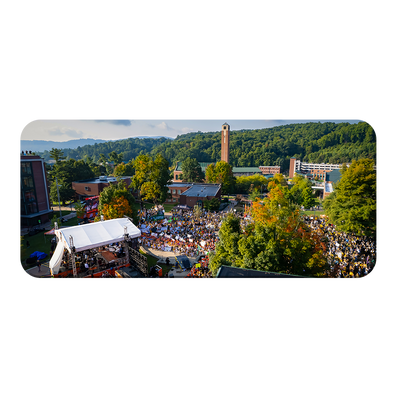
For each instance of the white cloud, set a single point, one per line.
(164, 126)
(72, 133)
(125, 122)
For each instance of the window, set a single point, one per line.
(29, 196)
(179, 191)
(26, 168)
(174, 191)
(87, 188)
(28, 182)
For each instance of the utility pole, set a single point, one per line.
(58, 196)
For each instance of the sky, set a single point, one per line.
(64, 130)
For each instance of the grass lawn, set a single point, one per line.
(311, 213)
(167, 206)
(41, 242)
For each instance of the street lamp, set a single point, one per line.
(58, 196)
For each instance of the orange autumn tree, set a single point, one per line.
(290, 246)
(116, 201)
(117, 208)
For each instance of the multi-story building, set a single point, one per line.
(316, 171)
(270, 170)
(328, 173)
(35, 191)
(175, 190)
(93, 187)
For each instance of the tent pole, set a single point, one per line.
(71, 242)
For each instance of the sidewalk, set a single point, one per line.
(162, 255)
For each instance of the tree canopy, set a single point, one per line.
(221, 173)
(115, 201)
(151, 177)
(316, 142)
(352, 205)
(191, 171)
(277, 240)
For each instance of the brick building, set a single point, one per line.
(226, 129)
(35, 191)
(270, 170)
(176, 189)
(93, 187)
(197, 193)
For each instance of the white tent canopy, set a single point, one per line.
(97, 234)
(56, 259)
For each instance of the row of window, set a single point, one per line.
(27, 182)
(26, 168)
(175, 191)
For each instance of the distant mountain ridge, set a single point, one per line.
(47, 145)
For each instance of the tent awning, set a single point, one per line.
(97, 234)
(56, 259)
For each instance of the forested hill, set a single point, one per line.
(313, 142)
(130, 148)
(327, 142)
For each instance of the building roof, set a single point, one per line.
(233, 272)
(333, 176)
(179, 184)
(202, 190)
(246, 169)
(106, 179)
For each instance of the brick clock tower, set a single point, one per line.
(225, 142)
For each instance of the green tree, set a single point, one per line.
(65, 191)
(115, 158)
(212, 205)
(151, 177)
(111, 197)
(80, 209)
(191, 171)
(221, 173)
(57, 154)
(277, 240)
(352, 205)
(308, 197)
(21, 248)
(123, 169)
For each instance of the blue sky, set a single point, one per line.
(61, 131)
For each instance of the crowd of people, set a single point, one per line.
(200, 270)
(184, 233)
(192, 234)
(349, 256)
